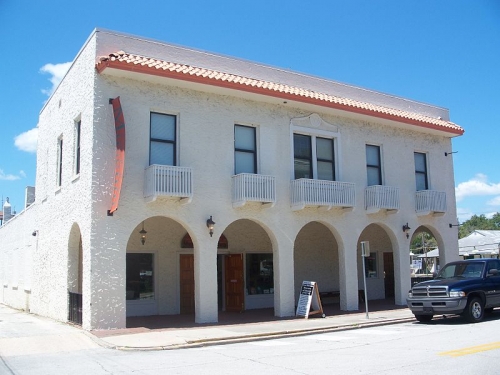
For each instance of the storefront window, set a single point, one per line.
(260, 274)
(371, 265)
(140, 280)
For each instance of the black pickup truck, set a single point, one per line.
(469, 288)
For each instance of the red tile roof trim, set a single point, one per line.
(140, 64)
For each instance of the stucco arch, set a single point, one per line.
(155, 290)
(317, 249)
(383, 275)
(257, 245)
(75, 260)
(434, 232)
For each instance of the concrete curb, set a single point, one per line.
(251, 337)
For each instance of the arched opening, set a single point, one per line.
(316, 258)
(424, 255)
(379, 265)
(75, 275)
(159, 271)
(245, 268)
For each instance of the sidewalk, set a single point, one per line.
(176, 333)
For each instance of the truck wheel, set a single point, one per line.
(474, 311)
(423, 318)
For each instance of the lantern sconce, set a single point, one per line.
(406, 228)
(210, 226)
(143, 233)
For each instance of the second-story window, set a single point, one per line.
(245, 150)
(78, 128)
(162, 145)
(373, 165)
(59, 161)
(421, 171)
(302, 156)
(313, 157)
(325, 160)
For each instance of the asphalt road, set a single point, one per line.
(32, 345)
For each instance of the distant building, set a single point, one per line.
(176, 181)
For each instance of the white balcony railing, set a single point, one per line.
(379, 197)
(322, 193)
(248, 187)
(168, 181)
(429, 202)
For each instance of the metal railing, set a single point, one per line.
(75, 308)
(168, 181)
(428, 201)
(306, 192)
(379, 197)
(248, 187)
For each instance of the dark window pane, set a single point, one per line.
(373, 176)
(324, 149)
(163, 127)
(420, 165)
(259, 274)
(421, 181)
(372, 155)
(325, 170)
(244, 162)
(162, 153)
(302, 146)
(140, 278)
(244, 138)
(302, 169)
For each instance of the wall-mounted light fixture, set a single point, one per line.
(35, 233)
(406, 228)
(449, 153)
(453, 225)
(210, 226)
(143, 233)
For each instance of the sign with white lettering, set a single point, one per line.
(309, 298)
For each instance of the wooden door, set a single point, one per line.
(389, 275)
(187, 283)
(234, 283)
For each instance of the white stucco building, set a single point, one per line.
(294, 170)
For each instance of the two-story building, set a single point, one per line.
(177, 181)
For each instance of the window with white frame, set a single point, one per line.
(421, 171)
(245, 149)
(59, 161)
(373, 165)
(162, 144)
(314, 157)
(78, 127)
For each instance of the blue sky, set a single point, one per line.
(443, 52)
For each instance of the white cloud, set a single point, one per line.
(8, 177)
(57, 71)
(494, 202)
(27, 141)
(478, 185)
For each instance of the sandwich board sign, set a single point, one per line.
(309, 301)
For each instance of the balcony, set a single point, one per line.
(167, 181)
(430, 202)
(381, 198)
(248, 187)
(323, 194)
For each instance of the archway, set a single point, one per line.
(316, 258)
(379, 265)
(153, 268)
(75, 275)
(246, 268)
